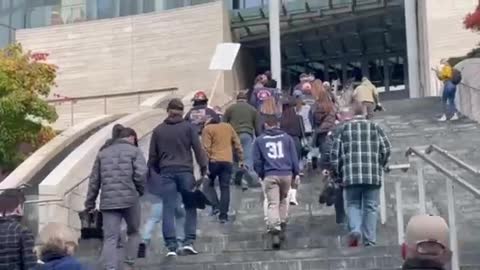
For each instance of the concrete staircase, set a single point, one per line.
(314, 241)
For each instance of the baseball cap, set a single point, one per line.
(175, 104)
(428, 237)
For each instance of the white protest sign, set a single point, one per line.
(224, 56)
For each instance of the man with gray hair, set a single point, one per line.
(359, 154)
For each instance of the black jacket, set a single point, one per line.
(171, 147)
(422, 264)
(291, 123)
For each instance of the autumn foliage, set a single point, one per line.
(25, 82)
(472, 20)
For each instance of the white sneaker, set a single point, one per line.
(172, 254)
(189, 250)
(443, 118)
(293, 197)
(454, 117)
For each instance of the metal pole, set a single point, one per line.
(411, 30)
(72, 117)
(452, 222)
(399, 203)
(275, 53)
(383, 204)
(421, 187)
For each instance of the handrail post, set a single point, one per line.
(383, 204)
(452, 222)
(105, 105)
(72, 114)
(399, 203)
(421, 186)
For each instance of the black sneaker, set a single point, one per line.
(142, 250)
(223, 218)
(276, 240)
(215, 211)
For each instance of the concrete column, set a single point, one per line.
(275, 53)
(412, 48)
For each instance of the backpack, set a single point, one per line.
(456, 76)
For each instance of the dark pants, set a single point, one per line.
(298, 146)
(339, 206)
(222, 170)
(368, 109)
(172, 183)
(448, 98)
(321, 143)
(112, 220)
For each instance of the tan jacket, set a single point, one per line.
(219, 141)
(366, 92)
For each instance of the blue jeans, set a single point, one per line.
(156, 216)
(362, 204)
(246, 139)
(172, 184)
(448, 98)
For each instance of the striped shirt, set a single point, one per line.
(360, 152)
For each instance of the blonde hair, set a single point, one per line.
(57, 237)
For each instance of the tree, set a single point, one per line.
(472, 20)
(25, 82)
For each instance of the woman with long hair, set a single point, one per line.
(323, 114)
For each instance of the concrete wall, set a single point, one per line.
(443, 25)
(143, 52)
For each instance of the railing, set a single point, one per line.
(75, 102)
(420, 159)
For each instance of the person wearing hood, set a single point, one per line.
(276, 162)
(170, 156)
(426, 244)
(200, 112)
(18, 239)
(366, 93)
(119, 172)
(221, 142)
(57, 246)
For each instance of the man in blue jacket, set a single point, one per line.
(276, 162)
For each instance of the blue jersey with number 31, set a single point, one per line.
(274, 153)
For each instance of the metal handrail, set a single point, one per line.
(452, 176)
(114, 95)
(446, 154)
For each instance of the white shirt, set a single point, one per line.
(304, 112)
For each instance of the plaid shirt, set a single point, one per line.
(16, 246)
(360, 152)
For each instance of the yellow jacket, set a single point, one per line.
(445, 73)
(219, 141)
(366, 92)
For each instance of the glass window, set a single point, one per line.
(105, 9)
(253, 3)
(128, 7)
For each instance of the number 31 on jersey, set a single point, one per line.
(275, 150)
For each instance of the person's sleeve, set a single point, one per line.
(227, 115)
(335, 154)
(257, 125)
(385, 146)
(93, 185)
(294, 157)
(200, 154)
(29, 259)
(258, 163)
(139, 172)
(187, 116)
(253, 99)
(207, 141)
(153, 156)
(237, 144)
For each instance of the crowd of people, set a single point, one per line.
(267, 139)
